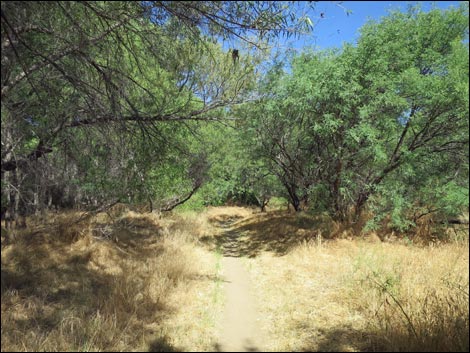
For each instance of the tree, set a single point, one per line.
(418, 86)
(277, 136)
(97, 73)
(344, 126)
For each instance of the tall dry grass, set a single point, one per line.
(127, 281)
(415, 298)
(117, 281)
(356, 294)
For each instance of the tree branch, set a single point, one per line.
(49, 60)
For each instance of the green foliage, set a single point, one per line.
(110, 91)
(278, 202)
(195, 204)
(385, 121)
(119, 96)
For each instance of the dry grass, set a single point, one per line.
(321, 294)
(121, 281)
(126, 281)
(417, 296)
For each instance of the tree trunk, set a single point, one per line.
(179, 200)
(338, 207)
(150, 205)
(295, 201)
(264, 203)
(36, 201)
(360, 202)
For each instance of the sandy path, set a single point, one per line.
(239, 328)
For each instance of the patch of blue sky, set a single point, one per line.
(338, 22)
(404, 117)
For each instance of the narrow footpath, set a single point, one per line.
(239, 329)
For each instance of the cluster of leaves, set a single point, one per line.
(106, 100)
(107, 96)
(383, 123)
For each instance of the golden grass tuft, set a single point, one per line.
(417, 296)
(116, 281)
(356, 294)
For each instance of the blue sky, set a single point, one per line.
(335, 26)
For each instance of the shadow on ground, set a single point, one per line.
(162, 345)
(49, 297)
(276, 232)
(246, 348)
(341, 339)
(349, 339)
(91, 297)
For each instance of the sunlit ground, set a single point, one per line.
(132, 281)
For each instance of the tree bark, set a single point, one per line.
(178, 201)
(295, 201)
(360, 202)
(338, 207)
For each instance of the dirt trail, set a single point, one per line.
(239, 330)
